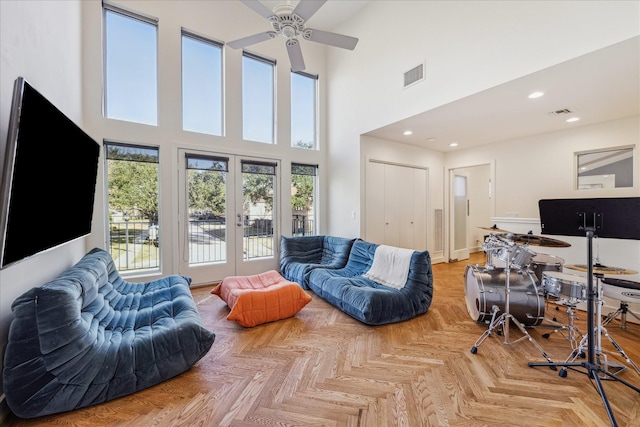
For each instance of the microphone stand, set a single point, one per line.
(592, 368)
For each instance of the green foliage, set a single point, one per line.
(258, 188)
(302, 197)
(134, 186)
(207, 191)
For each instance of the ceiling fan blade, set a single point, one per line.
(295, 55)
(259, 8)
(256, 38)
(307, 8)
(333, 39)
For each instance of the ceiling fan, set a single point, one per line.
(289, 23)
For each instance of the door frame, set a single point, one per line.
(449, 224)
(233, 265)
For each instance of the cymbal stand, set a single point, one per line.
(501, 323)
(591, 367)
(623, 310)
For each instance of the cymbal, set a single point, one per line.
(494, 228)
(601, 269)
(531, 239)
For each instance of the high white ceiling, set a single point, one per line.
(601, 86)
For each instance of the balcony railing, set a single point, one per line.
(302, 225)
(134, 244)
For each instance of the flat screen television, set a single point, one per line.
(49, 178)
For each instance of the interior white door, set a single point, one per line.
(459, 246)
(228, 221)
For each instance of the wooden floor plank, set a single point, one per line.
(323, 368)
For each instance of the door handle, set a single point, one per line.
(239, 222)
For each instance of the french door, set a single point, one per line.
(228, 221)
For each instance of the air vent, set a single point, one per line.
(560, 112)
(414, 75)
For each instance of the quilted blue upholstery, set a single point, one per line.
(300, 255)
(371, 302)
(89, 336)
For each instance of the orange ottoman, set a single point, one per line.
(262, 298)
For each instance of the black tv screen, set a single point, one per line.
(49, 178)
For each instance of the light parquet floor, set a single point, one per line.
(322, 368)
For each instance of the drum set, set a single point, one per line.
(516, 283)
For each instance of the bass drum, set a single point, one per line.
(485, 288)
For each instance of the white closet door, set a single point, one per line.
(396, 205)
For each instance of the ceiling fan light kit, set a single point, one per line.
(290, 22)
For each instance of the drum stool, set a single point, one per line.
(626, 291)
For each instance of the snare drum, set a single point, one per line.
(486, 288)
(544, 262)
(561, 285)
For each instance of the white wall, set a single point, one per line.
(40, 41)
(543, 166)
(218, 20)
(467, 47)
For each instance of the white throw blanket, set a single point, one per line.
(390, 266)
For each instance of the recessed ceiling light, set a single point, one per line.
(431, 140)
(453, 144)
(407, 132)
(573, 119)
(535, 95)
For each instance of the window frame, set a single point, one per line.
(146, 19)
(220, 45)
(273, 120)
(314, 210)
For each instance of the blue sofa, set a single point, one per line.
(299, 256)
(371, 302)
(89, 336)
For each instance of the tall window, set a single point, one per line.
(303, 110)
(132, 181)
(130, 57)
(201, 85)
(303, 196)
(258, 105)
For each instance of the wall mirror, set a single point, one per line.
(605, 169)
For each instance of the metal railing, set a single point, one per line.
(302, 225)
(134, 245)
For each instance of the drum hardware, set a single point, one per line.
(501, 322)
(576, 217)
(600, 353)
(625, 291)
(579, 216)
(573, 331)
